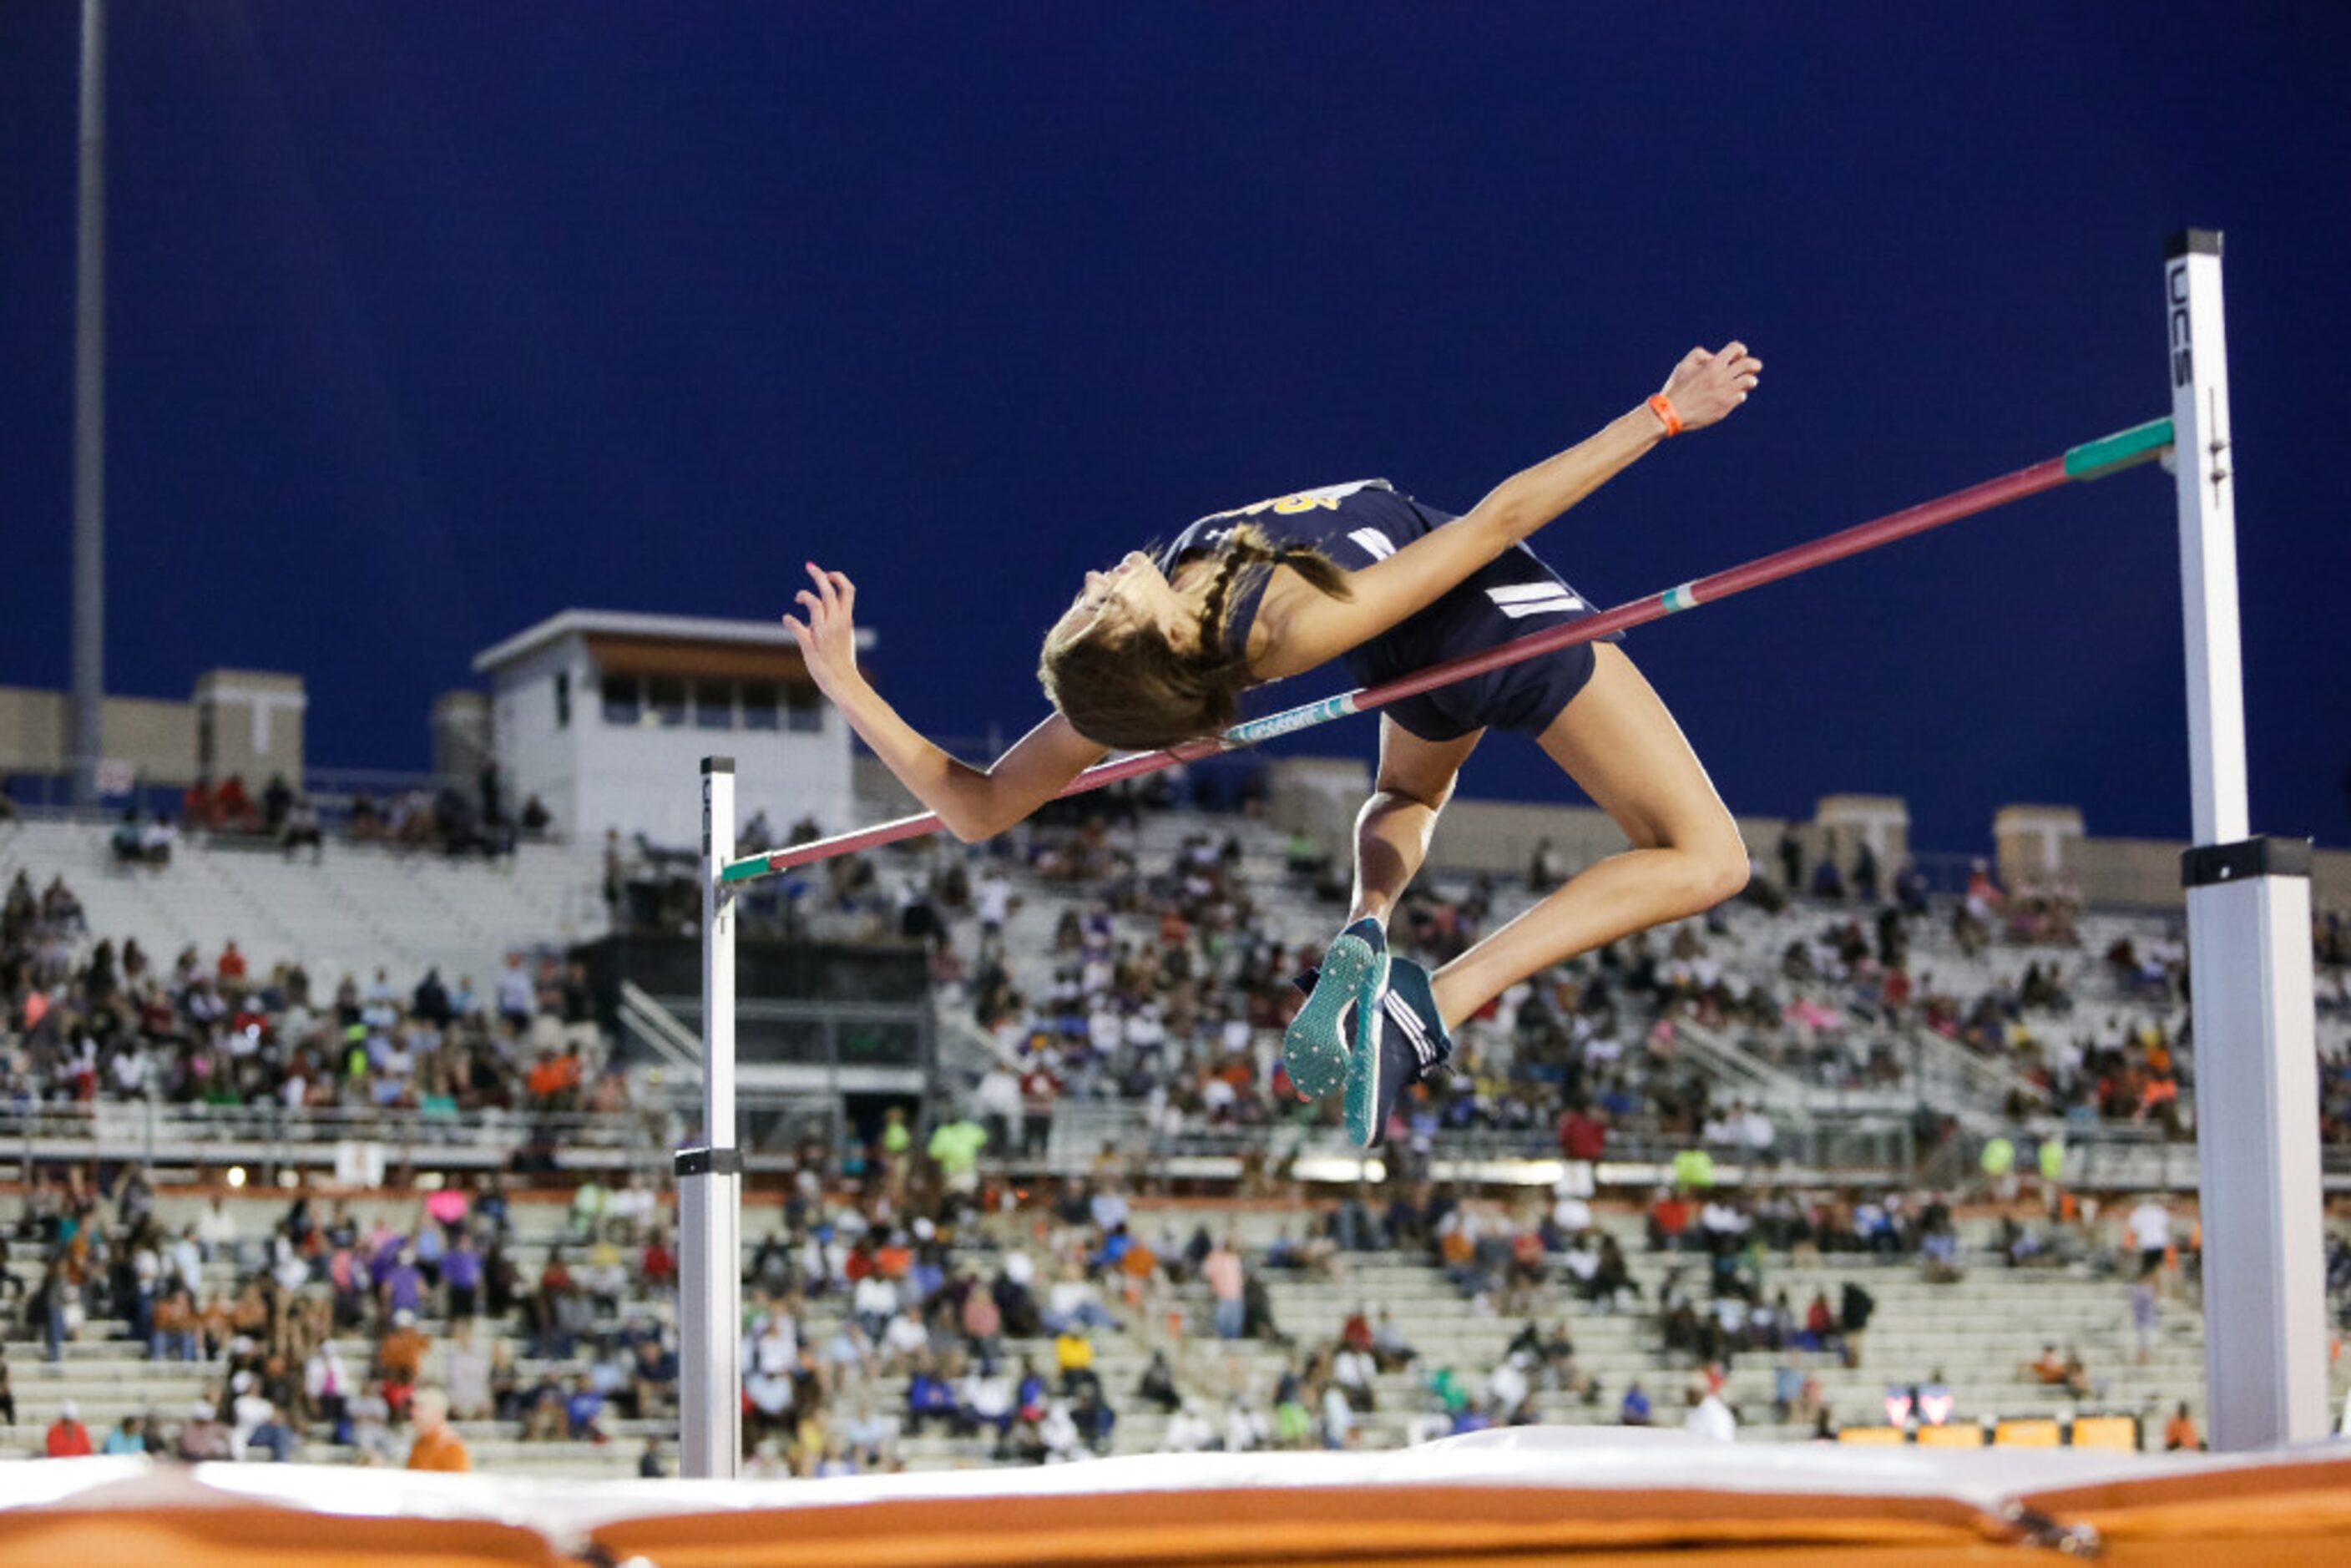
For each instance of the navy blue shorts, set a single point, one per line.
(1510, 597)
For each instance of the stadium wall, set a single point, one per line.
(155, 736)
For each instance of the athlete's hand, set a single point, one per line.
(828, 638)
(1706, 385)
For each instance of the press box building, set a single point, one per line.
(605, 715)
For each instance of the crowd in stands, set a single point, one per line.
(909, 1301)
(560, 1353)
(441, 818)
(902, 1294)
(919, 1303)
(1168, 988)
(1169, 984)
(898, 1293)
(1182, 1021)
(82, 1020)
(1541, 1264)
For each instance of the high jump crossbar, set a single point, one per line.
(2090, 460)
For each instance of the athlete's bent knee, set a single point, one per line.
(1715, 869)
(1727, 872)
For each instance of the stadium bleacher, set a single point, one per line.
(1052, 990)
(358, 908)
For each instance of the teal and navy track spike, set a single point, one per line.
(1317, 1044)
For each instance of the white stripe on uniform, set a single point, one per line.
(1559, 605)
(1511, 593)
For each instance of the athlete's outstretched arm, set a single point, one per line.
(974, 802)
(1309, 628)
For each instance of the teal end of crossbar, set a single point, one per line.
(742, 870)
(2113, 454)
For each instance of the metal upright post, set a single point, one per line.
(710, 1179)
(87, 737)
(2249, 947)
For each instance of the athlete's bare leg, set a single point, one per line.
(1618, 741)
(1392, 830)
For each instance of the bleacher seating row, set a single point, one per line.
(1745, 940)
(360, 907)
(1977, 1333)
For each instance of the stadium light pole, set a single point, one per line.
(2249, 947)
(710, 1180)
(90, 419)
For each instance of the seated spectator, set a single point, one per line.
(1510, 1394)
(1820, 1325)
(984, 1399)
(327, 1383)
(771, 1358)
(1158, 1384)
(658, 1265)
(68, 1438)
(271, 1438)
(301, 829)
(204, 1436)
(1390, 1349)
(930, 1397)
(399, 1361)
(1073, 1357)
(545, 1415)
(436, 1445)
(655, 1377)
(1668, 1219)
(461, 1273)
(2180, 1431)
(1075, 1303)
(1222, 1269)
(1256, 1311)
(905, 1342)
(982, 1321)
(1828, 881)
(872, 1300)
(1708, 1415)
(176, 1335)
(466, 1372)
(1188, 1431)
(248, 1408)
(1093, 1418)
(1787, 1388)
(583, 1409)
(1351, 1372)
(371, 1429)
(1058, 1434)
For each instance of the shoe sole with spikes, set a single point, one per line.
(1316, 1047)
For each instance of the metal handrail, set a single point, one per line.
(150, 1124)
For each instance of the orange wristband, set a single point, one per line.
(1663, 407)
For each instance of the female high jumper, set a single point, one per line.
(1157, 651)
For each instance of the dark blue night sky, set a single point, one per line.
(428, 322)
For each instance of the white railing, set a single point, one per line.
(271, 1135)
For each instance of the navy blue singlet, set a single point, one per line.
(1510, 596)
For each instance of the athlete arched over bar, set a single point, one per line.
(1154, 651)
